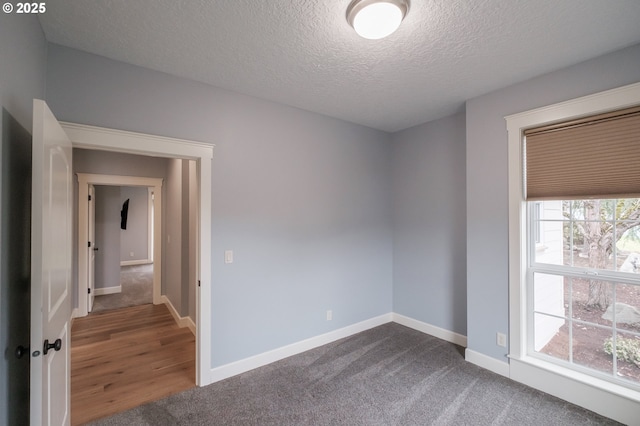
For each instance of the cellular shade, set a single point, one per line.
(593, 157)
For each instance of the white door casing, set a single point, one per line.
(91, 137)
(51, 257)
(86, 222)
(91, 247)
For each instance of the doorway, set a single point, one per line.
(121, 260)
(97, 138)
(87, 246)
(123, 356)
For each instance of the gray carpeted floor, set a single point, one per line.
(389, 375)
(137, 289)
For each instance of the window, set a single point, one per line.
(584, 312)
(537, 274)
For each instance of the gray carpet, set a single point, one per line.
(389, 375)
(137, 289)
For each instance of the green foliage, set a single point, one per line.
(626, 349)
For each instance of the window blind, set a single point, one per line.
(592, 157)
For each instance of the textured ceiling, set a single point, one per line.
(303, 53)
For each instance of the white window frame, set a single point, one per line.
(613, 276)
(610, 399)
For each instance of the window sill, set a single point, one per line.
(603, 397)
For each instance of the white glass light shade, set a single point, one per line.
(376, 19)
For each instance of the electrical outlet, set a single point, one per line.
(130, 254)
(501, 339)
(329, 315)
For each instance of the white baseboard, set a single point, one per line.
(487, 362)
(247, 364)
(135, 262)
(107, 290)
(605, 398)
(432, 330)
(190, 325)
(180, 320)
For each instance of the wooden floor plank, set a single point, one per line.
(124, 358)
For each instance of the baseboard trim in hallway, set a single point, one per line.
(180, 320)
(127, 357)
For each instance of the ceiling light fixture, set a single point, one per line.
(376, 19)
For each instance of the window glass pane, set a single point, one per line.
(551, 210)
(590, 298)
(627, 209)
(628, 356)
(547, 231)
(573, 209)
(581, 210)
(628, 248)
(568, 236)
(591, 244)
(550, 247)
(627, 308)
(551, 336)
(549, 294)
(607, 209)
(629, 262)
(588, 348)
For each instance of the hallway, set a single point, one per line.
(136, 282)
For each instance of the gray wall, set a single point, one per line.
(135, 239)
(429, 221)
(115, 163)
(180, 238)
(302, 199)
(172, 267)
(22, 78)
(107, 260)
(180, 265)
(189, 238)
(193, 238)
(487, 215)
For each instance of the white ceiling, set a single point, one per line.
(303, 52)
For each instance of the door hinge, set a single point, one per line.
(89, 197)
(89, 244)
(198, 283)
(88, 291)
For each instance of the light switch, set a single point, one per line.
(228, 256)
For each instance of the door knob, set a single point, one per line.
(56, 346)
(95, 249)
(21, 351)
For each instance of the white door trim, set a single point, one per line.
(91, 137)
(86, 179)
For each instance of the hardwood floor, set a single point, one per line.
(124, 358)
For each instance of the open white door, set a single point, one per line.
(92, 248)
(50, 270)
